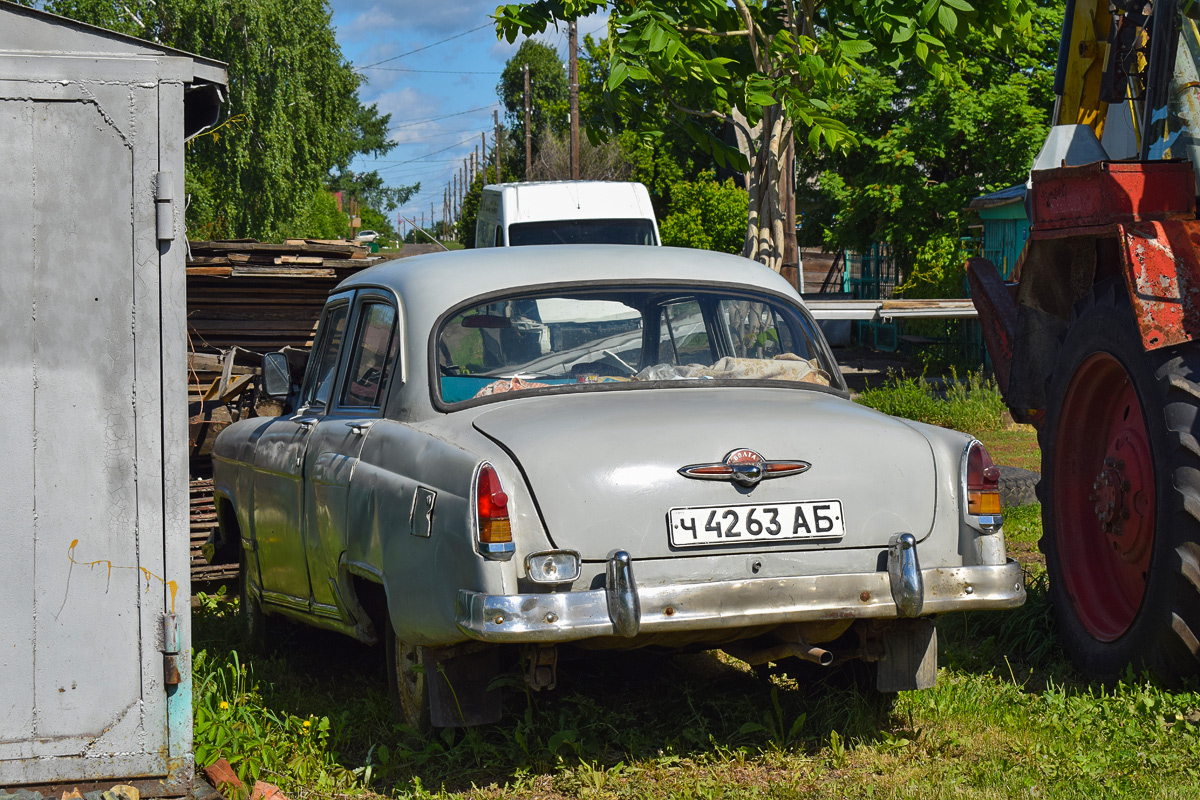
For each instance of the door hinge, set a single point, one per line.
(171, 673)
(164, 206)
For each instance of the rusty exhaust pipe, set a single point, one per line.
(808, 652)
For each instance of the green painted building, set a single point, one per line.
(1005, 226)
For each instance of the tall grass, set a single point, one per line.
(971, 405)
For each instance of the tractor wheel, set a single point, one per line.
(407, 684)
(1121, 495)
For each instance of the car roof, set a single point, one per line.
(441, 280)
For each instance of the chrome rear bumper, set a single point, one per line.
(623, 608)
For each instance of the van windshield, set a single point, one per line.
(582, 231)
(609, 338)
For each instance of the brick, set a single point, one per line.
(220, 775)
(266, 791)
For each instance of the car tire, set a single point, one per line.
(408, 687)
(1018, 487)
(1123, 548)
(252, 622)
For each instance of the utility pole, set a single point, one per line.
(528, 138)
(483, 162)
(573, 79)
(496, 122)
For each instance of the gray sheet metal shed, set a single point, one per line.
(95, 634)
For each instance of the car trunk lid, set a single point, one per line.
(604, 467)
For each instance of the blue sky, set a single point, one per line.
(440, 97)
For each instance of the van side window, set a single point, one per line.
(499, 241)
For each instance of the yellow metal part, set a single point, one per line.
(1081, 104)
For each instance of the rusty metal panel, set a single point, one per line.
(1107, 191)
(93, 492)
(1161, 262)
(82, 542)
(16, 468)
(176, 508)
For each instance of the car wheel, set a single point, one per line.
(252, 622)
(407, 683)
(1121, 495)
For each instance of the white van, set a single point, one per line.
(565, 212)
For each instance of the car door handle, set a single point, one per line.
(308, 423)
(360, 428)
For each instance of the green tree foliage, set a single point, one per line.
(292, 117)
(321, 218)
(767, 67)
(660, 160)
(465, 229)
(548, 98)
(707, 215)
(925, 147)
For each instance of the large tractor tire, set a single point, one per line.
(1121, 495)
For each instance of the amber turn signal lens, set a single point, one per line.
(981, 503)
(495, 531)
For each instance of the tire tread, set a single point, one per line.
(1162, 637)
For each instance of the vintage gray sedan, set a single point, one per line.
(513, 450)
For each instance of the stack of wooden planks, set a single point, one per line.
(236, 258)
(263, 296)
(247, 298)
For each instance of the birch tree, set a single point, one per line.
(763, 67)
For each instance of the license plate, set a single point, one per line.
(751, 524)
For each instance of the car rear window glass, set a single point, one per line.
(627, 336)
(582, 231)
(374, 353)
(683, 336)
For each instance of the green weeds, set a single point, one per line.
(1009, 717)
(972, 405)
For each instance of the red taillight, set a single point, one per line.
(983, 482)
(491, 504)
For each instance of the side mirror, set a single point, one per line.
(277, 375)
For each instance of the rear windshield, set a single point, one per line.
(641, 336)
(582, 231)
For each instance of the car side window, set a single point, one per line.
(499, 236)
(372, 358)
(324, 359)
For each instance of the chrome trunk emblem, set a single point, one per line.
(743, 467)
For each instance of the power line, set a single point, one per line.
(410, 160)
(426, 47)
(444, 116)
(435, 71)
(434, 153)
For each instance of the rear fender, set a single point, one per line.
(1129, 220)
(1157, 261)
(1161, 264)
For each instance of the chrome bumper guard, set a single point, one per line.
(624, 609)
